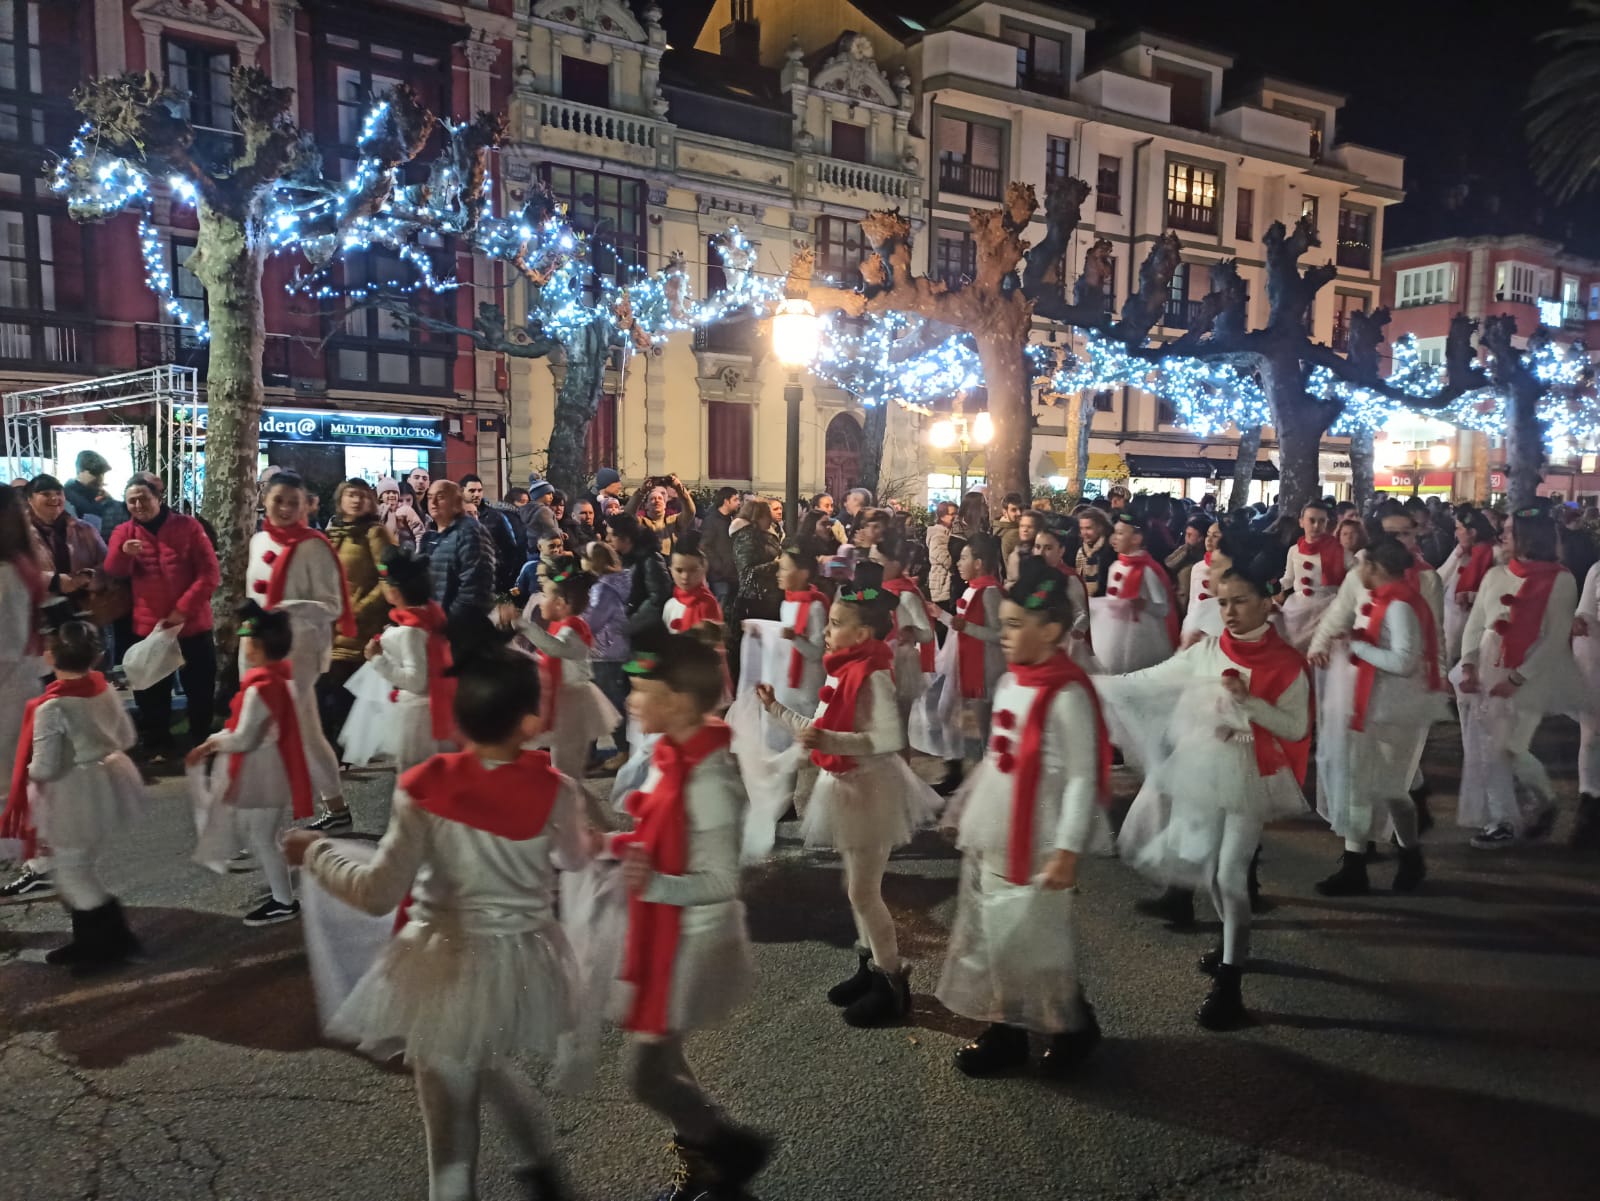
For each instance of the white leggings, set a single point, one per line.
(863, 884)
(76, 879)
(259, 830)
(1230, 886)
(450, 1095)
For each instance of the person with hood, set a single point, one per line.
(401, 520)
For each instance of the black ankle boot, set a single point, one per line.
(1411, 871)
(1350, 880)
(1175, 907)
(1067, 1051)
(736, 1154)
(1586, 834)
(107, 941)
(952, 777)
(542, 1183)
(1000, 1048)
(888, 999)
(1210, 961)
(1254, 883)
(848, 991)
(1419, 798)
(74, 950)
(1224, 1008)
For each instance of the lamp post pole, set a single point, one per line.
(791, 467)
(796, 334)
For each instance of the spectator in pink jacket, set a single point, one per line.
(173, 569)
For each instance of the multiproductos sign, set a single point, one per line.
(344, 429)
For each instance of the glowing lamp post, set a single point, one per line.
(796, 336)
(963, 438)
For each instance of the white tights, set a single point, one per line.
(76, 879)
(1230, 887)
(259, 829)
(863, 884)
(450, 1095)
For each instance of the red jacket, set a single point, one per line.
(175, 570)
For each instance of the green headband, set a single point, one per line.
(642, 664)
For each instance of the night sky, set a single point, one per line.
(1425, 78)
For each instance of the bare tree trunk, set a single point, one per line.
(1300, 422)
(873, 432)
(1524, 443)
(1362, 483)
(577, 401)
(1080, 415)
(1244, 467)
(1010, 453)
(229, 266)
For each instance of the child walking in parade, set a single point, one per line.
(1136, 622)
(263, 777)
(1226, 725)
(405, 696)
(73, 788)
(1050, 548)
(1316, 567)
(867, 800)
(971, 662)
(912, 632)
(479, 973)
(1034, 806)
(686, 960)
(693, 607)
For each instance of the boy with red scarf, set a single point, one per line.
(1317, 565)
(1135, 624)
(693, 606)
(686, 959)
(1033, 807)
(73, 784)
(867, 800)
(1381, 701)
(972, 661)
(293, 569)
(265, 770)
(479, 973)
(1225, 727)
(404, 697)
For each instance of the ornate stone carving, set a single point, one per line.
(609, 17)
(482, 53)
(209, 16)
(853, 71)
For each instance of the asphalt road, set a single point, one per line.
(1443, 1045)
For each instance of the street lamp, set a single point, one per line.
(796, 337)
(962, 436)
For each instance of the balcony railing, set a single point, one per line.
(969, 179)
(1194, 218)
(1045, 83)
(1181, 314)
(726, 337)
(1355, 255)
(602, 124)
(158, 345)
(45, 342)
(858, 177)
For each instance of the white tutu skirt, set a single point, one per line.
(584, 714)
(934, 725)
(381, 728)
(1011, 956)
(879, 803)
(769, 763)
(1301, 614)
(1354, 767)
(713, 973)
(1078, 650)
(631, 776)
(1126, 639)
(88, 805)
(342, 942)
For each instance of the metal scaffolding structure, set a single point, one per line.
(167, 392)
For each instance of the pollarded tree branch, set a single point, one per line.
(1063, 208)
(131, 117)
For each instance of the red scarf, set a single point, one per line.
(1367, 673)
(289, 537)
(274, 682)
(550, 666)
(802, 622)
(900, 586)
(851, 668)
(969, 650)
(1205, 581)
(1049, 677)
(1326, 548)
(1527, 605)
(33, 580)
(1273, 665)
(511, 801)
(698, 606)
(1474, 565)
(17, 821)
(441, 687)
(1132, 587)
(662, 829)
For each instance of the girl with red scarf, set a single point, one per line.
(1224, 728)
(1462, 575)
(867, 800)
(1050, 547)
(912, 633)
(970, 663)
(404, 691)
(1316, 566)
(294, 570)
(1516, 667)
(686, 959)
(1135, 624)
(1034, 806)
(479, 973)
(1381, 699)
(73, 784)
(1203, 617)
(263, 777)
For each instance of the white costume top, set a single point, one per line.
(809, 643)
(567, 648)
(1553, 684)
(87, 787)
(994, 659)
(1204, 613)
(403, 663)
(392, 714)
(313, 596)
(19, 671)
(263, 782)
(1586, 650)
(911, 617)
(1308, 593)
(1341, 616)
(1127, 638)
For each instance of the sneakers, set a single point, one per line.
(270, 912)
(1494, 838)
(333, 821)
(1000, 1048)
(29, 886)
(244, 861)
(887, 1000)
(1350, 880)
(847, 992)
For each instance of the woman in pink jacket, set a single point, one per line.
(173, 569)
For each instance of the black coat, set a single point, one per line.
(651, 590)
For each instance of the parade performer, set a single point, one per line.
(479, 973)
(1381, 699)
(911, 634)
(263, 776)
(1031, 810)
(693, 607)
(1226, 728)
(970, 664)
(1516, 667)
(1136, 622)
(404, 693)
(686, 962)
(71, 756)
(1462, 575)
(294, 569)
(867, 800)
(1050, 548)
(1317, 565)
(1586, 651)
(1203, 617)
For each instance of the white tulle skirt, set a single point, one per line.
(1126, 639)
(935, 723)
(879, 803)
(90, 804)
(1301, 614)
(399, 729)
(583, 715)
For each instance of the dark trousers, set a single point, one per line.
(334, 700)
(199, 678)
(613, 684)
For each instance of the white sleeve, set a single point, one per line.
(569, 852)
(913, 615)
(1078, 600)
(557, 646)
(1287, 583)
(1449, 569)
(404, 660)
(1589, 602)
(881, 735)
(711, 874)
(1403, 634)
(1157, 592)
(989, 631)
(1478, 618)
(255, 723)
(1072, 715)
(810, 641)
(376, 887)
(1339, 618)
(51, 756)
(315, 578)
(1555, 628)
(1289, 716)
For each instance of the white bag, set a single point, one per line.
(342, 942)
(152, 659)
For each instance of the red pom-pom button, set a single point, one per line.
(1305, 581)
(1000, 744)
(1232, 674)
(1307, 592)
(1366, 609)
(1007, 763)
(826, 694)
(961, 605)
(260, 586)
(270, 557)
(1510, 598)
(1502, 628)
(1005, 719)
(1205, 596)
(394, 695)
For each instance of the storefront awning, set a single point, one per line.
(1161, 467)
(1101, 466)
